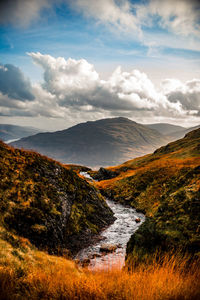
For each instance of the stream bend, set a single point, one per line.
(117, 234)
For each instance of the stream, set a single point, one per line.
(117, 235)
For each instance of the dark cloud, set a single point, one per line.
(21, 12)
(14, 84)
(189, 101)
(187, 94)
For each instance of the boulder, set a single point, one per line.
(108, 248)
(104, 174)
(85, 262)
(138, 220)
(95, 255)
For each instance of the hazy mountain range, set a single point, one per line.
(12, 132)
(181, 133)
(165, 128)
(104, 142)
(174, 132)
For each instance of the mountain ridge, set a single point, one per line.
(106, 141)
(12, 132)
(165, 128)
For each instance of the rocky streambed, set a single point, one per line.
(111, 249)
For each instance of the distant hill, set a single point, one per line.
(181, 133)
(164, 185)
(12, 132)
(173, 132)
(44, 201)
(165, 128)
(100, 143)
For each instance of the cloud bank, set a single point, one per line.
(73, 87)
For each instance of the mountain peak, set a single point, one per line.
(96, 143)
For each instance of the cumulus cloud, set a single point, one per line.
(21, 12)
(14, 84)
(73, 88)
(187, 94)
(70, 77)
(75, 83)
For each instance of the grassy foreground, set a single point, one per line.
(26, 273)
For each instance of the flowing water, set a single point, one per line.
(117, 234)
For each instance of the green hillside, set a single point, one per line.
(47, 203)
(166, 187)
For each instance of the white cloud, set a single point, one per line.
(109, 12)
(75, 83)
(69, 77)
(73, 88)
(179, 16)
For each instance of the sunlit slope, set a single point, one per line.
(47, 203)
(166, 186)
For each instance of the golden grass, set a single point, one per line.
(40, 276)
(172, 165)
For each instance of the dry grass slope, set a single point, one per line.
(29, 274)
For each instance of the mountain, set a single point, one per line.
(165, 186)
(173, 132)
(103, 142)
(47, 203)
(180, 133)
(165, 128)
(12, 132)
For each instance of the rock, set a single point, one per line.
(138, 220)
(85, 262)
(77, 261)
(104, 174)
(108, 248)
(95, 255)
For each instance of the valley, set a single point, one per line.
(100, 150)
(136, 216)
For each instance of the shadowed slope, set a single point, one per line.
(49, 204)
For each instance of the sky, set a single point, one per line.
(69, 61)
